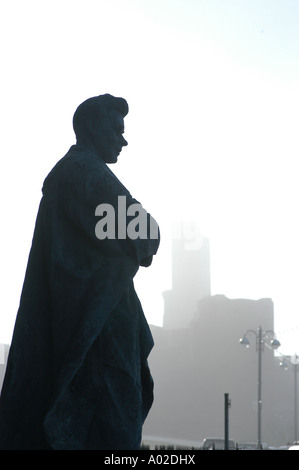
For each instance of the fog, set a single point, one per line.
(212, 87)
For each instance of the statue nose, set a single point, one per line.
(124, 142)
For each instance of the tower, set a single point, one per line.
(190, 279)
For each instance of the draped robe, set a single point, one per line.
(77, 375)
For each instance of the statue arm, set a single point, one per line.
(96, 203)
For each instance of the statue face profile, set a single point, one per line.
(98, 123)
(107, 136)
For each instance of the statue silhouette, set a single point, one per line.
(77, 375)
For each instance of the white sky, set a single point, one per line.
(213, 92)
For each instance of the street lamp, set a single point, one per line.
(294, 361)
(262, 338)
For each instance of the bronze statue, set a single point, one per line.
(77, 375)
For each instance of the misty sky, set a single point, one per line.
(212, 87)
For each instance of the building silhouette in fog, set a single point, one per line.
(191, 276)
(197, 359)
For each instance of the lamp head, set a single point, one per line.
(275, 343)
(244, 342)
(284, 364)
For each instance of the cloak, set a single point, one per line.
(77, 375)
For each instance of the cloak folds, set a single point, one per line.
(77, 375)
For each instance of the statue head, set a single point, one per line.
(99, 126)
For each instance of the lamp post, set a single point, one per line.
(262, 338)
(294, 361)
